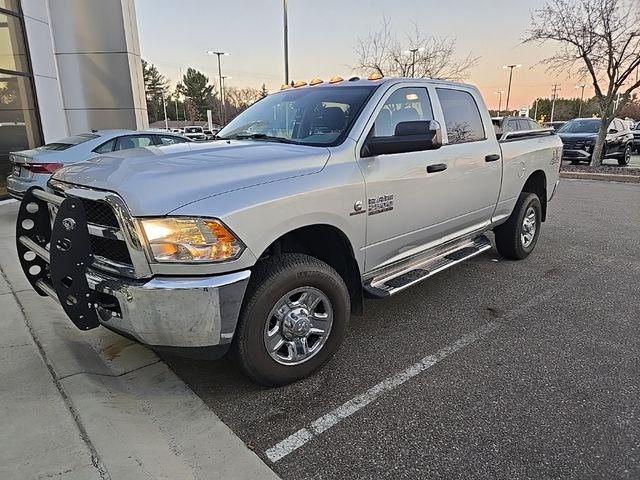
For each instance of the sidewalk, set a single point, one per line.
(85, 405)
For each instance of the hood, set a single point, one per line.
(578, 137)
(158, 180)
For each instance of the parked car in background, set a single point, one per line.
(555, 125)
(579, 138)
(503, 125)
(34, 167)
(211, 134)
(195, 133)
(636, 137)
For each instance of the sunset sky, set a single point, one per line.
(323, 35)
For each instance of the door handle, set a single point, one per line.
(436, 167)
(492, 158)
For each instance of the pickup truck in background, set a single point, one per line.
(265, 241)
(503, 125)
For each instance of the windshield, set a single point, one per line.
(308, 116)
(581, 126)
(68, 142)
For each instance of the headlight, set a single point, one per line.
(182, 239)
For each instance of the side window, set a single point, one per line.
(533, 125)
(461, 116)
(170, 140)
(403, 105)
(106, 147)
(523, 124)
(137, 141)
(513, 126)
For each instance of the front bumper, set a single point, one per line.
(174, 312)
(582, 155)
(164, 312)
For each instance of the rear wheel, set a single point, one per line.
(626, 156)
(293, 319)
(517, 237)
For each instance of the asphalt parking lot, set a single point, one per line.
(493, 369)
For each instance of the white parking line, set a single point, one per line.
(322, 424)
(8, 201)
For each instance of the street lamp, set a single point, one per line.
(499, 92)
(510, 67)
(219, 54)
(581, 97)
(413, 52)
(286, 42)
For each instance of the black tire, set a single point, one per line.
(626, 156)
(270, 281)
(575, 162)
(508, 235)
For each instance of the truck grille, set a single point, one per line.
(100, 213)
(113, 250)
(109, 252)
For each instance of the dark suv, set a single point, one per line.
(579, 138)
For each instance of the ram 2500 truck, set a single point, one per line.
(265, 241)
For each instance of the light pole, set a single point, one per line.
(219, 54)
(510, 67)
(499, 92)
(164, 107)
(413, 52)
(286, 42)
(224, 77)
(581, 99)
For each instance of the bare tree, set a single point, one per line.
(415, 56)
(598, 40)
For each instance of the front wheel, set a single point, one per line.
(294, 317)
(517, 237)
(626, 156)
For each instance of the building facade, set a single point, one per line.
(66, 67)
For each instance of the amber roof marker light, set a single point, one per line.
(316, 81)
(335, 79)
(299, 83)
(375, 76)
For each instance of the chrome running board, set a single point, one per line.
(385, 285)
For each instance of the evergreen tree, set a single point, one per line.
(154, 85)
(196, 88)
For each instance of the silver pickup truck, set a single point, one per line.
(266, 241)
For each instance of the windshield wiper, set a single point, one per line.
(261, 136)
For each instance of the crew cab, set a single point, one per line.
(265, 241)
(579, 138)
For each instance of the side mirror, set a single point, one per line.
(612, 130)
(414, 136)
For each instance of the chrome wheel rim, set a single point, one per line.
(298, 326)
(627, 155)
(528, 230)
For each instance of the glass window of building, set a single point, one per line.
(19, 123)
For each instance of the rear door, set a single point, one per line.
(473, 158)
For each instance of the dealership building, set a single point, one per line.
(66, 67)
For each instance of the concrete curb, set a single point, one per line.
(139, 418)
(607, 177)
